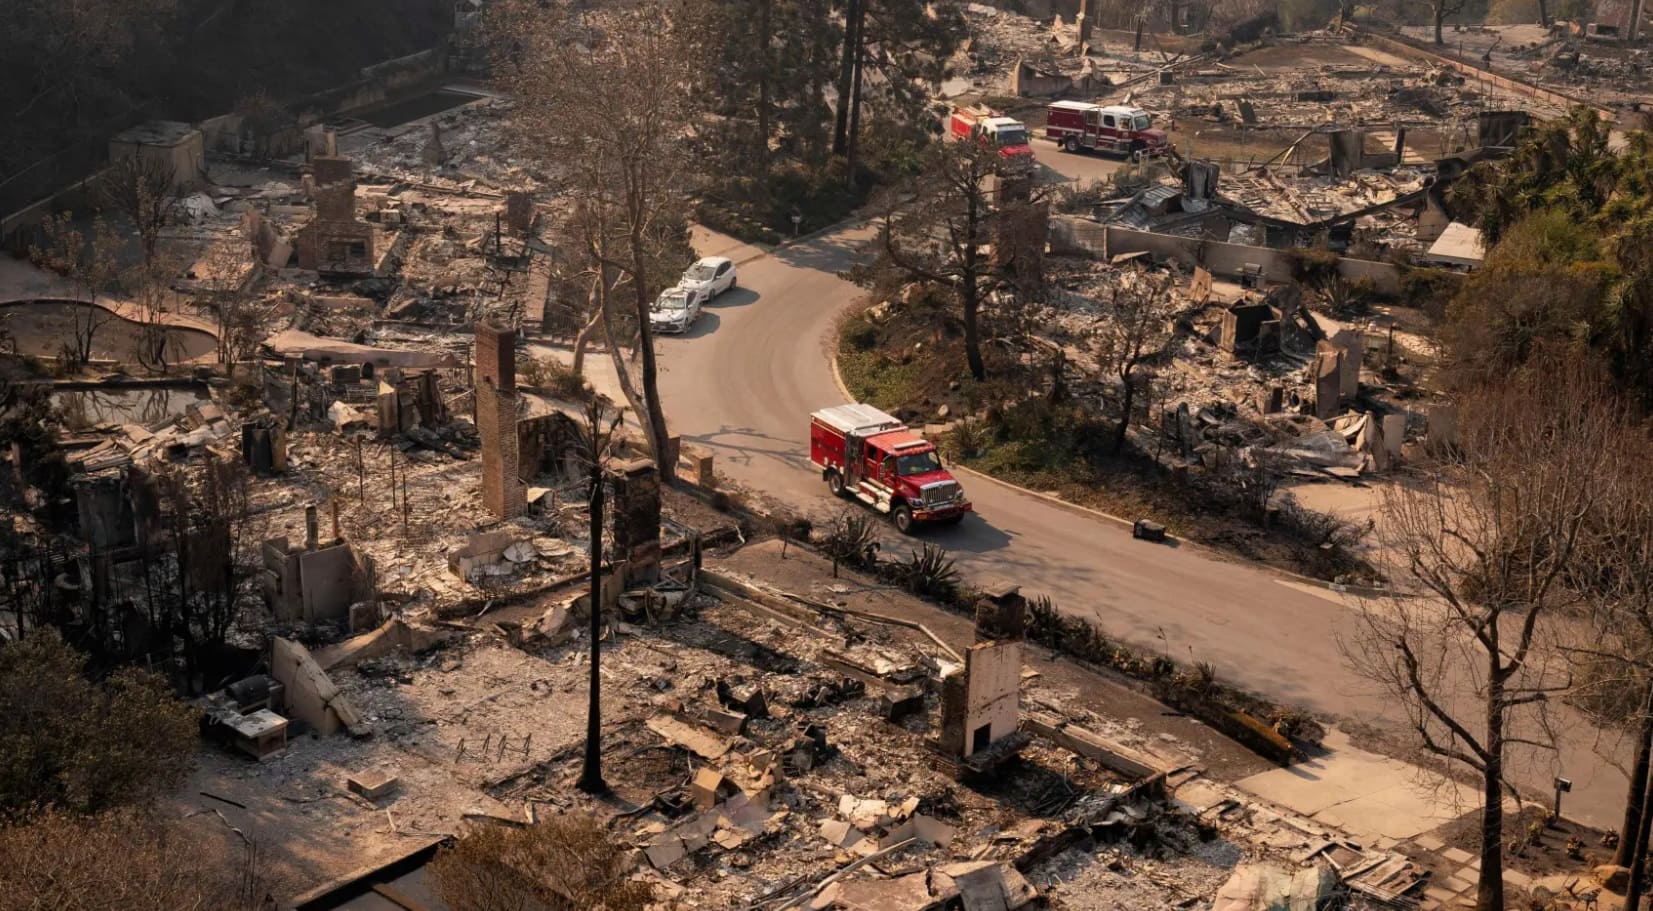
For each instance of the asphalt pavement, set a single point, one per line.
(744, 381)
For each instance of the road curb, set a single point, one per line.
(1359, 591)
(837, 377)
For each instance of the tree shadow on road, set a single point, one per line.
(742, 445)
(833, 253)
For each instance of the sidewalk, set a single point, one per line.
(1380, 800)
(708, 242)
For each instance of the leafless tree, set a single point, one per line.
(228, 273)
(938, 228)
(205, 523)
(566, 862)
(602, 92)
(262, 118)
(141, 188)
(1490, 545)
(88, 262)
(149, 284)
(593, 324)
(1136, 325)
(1439, 10)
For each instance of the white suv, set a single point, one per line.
(710, 276)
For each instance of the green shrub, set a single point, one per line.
(1311, 265)
(861, 335)
(67, 742)
(966, 440)
(1429, 290)
(554, 377)
(873, 378)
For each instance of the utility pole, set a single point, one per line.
(393, 488)
(591, 777)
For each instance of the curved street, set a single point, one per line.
(742, 386)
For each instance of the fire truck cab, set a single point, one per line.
(1076, 125)
(1007, 135)
(871, 456)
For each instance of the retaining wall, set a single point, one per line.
(1077, 236)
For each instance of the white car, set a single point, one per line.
(675, 310)
(710, 276)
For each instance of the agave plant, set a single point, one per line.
(852, 539)
(929, 573)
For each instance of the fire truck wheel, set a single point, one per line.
(902, 516)
(1070, 144)
(835, 483)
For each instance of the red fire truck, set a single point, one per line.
(869, 455)
(1007, 134)
(1076, 125)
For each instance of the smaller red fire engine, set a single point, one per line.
(1007, 134)
(869, 455)
(1076, 125)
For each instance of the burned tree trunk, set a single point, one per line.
(1638, 855)
(583, 338)
(765, 76)
(1489, 889)
(971, 294)
(654, 413)
(846, 74)
(855, 93)
(1127, 402)
(1625, 855)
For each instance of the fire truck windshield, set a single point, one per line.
(917, 463)
(1141, 122)
(1012, 136)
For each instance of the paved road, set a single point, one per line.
(743, 383)
(1080, 168)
